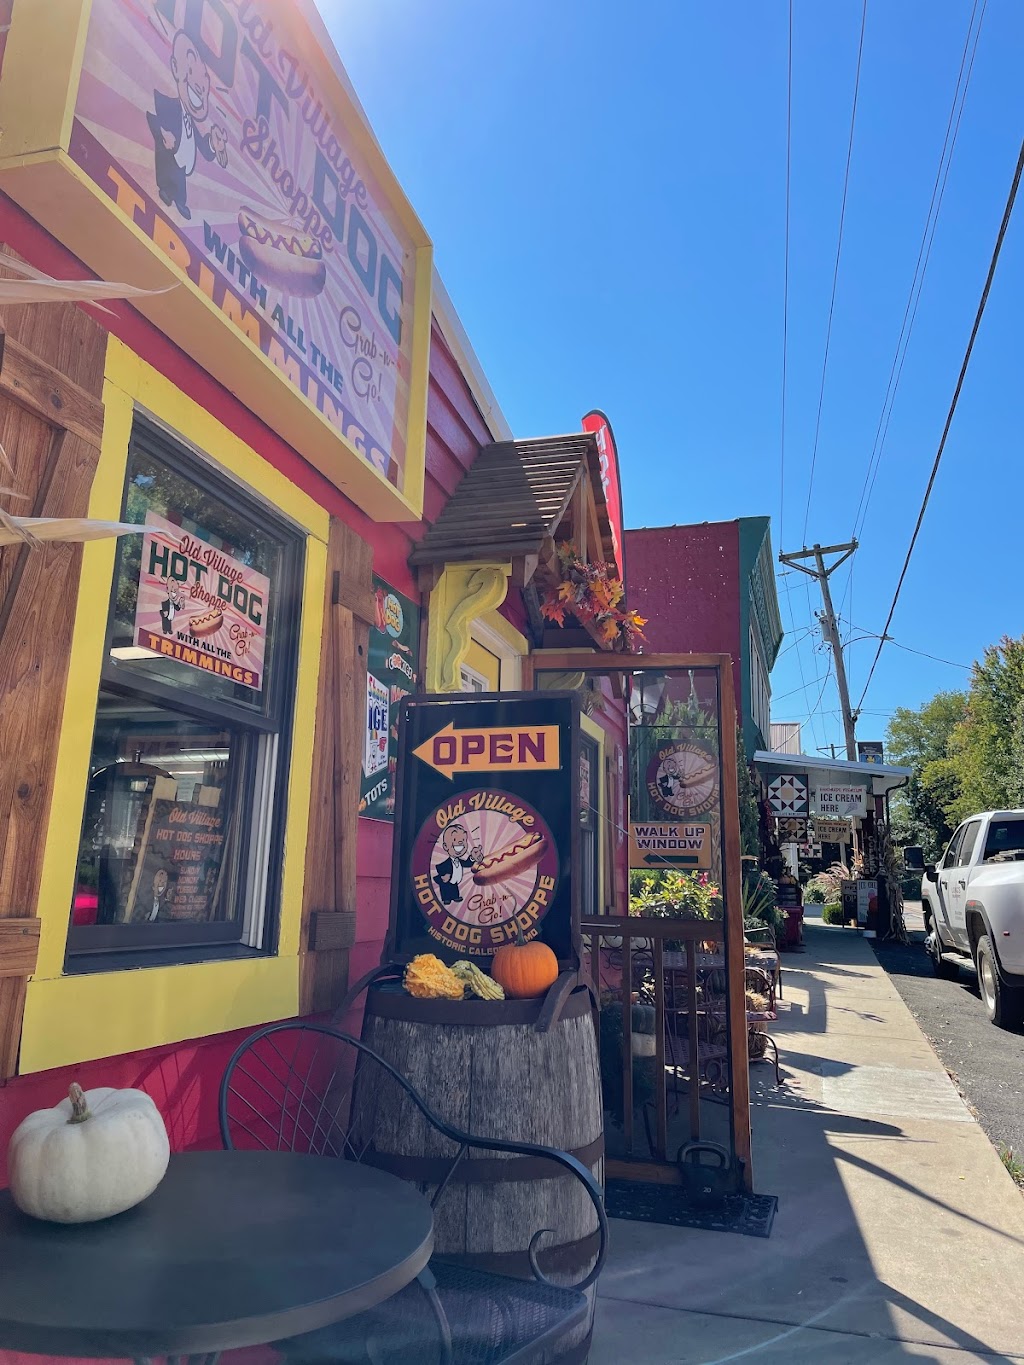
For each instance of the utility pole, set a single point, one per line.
(828, 621)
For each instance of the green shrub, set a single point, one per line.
(832, 914)
(760, 907)
(674, 895)
(814, 894)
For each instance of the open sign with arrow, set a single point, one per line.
(516, 748)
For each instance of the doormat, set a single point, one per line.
(751, 1215)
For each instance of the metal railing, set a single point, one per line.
(636, 960)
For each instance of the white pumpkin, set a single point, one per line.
(97, 1153)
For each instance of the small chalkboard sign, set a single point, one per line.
(177, 869)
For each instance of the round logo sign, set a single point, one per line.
(484, 864)
(683, 779)
(394, 616)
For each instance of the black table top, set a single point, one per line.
(232, 1249)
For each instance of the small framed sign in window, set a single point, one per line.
(181, 841)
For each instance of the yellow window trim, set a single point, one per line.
(71, 1019)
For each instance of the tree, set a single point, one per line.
(987, 747)
(921, 740)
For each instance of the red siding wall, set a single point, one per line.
(184, 1078)
(686, 581)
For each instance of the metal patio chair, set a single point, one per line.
(312, 1088)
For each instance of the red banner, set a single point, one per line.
(598, 423)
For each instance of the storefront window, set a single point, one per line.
(181, 837)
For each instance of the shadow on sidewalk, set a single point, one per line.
(867, 1261)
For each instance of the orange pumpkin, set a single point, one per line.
(524, 970)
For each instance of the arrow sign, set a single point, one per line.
(516, 748)
(661, 843)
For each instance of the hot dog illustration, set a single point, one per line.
(278, 255)
(511, 861)
(207, 624)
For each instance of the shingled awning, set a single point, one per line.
(514, 498)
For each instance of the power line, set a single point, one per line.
(951, 663)
(873, 635)
(793, 691)
(949, 417)
(816, 708)
(807, 630)
(921, 267)
(916, 285)
(835, 273)
(785, 286)
(787, 592)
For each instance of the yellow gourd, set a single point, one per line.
(427, 978)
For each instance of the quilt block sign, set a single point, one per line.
(787, 794)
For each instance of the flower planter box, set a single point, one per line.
(567, 637)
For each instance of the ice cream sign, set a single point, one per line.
(840, 802)
(199, 606)
(378, 709)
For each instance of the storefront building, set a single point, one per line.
(711, 588)
(199, 718)
(180, 847)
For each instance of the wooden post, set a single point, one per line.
(51, 424)
(732, 895)
(329, 901)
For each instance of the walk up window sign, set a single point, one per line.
(488, 817)
(675, 777)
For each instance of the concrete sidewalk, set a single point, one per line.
(899, 1235)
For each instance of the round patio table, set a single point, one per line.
(232, 1249)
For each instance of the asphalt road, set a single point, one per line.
(986, 1063)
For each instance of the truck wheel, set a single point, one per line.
(949, 971)
(1004, 1004)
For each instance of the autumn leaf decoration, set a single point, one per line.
(593, 595)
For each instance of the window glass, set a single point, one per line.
(164, 791)
(216, 566)
(471, 681)
(1005, 842)
(966, 849)
(181, 835)
(954, 847)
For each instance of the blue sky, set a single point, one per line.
(605, 188)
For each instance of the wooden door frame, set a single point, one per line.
(610, 665)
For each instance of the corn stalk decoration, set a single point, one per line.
(889, 867)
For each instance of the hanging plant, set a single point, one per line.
(593, 595)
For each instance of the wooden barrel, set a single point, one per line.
(484, 1067)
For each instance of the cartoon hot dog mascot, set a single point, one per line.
(278, 255)
(511, 861)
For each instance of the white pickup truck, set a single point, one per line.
(973, 903)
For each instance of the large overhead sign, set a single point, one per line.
(212, 144)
